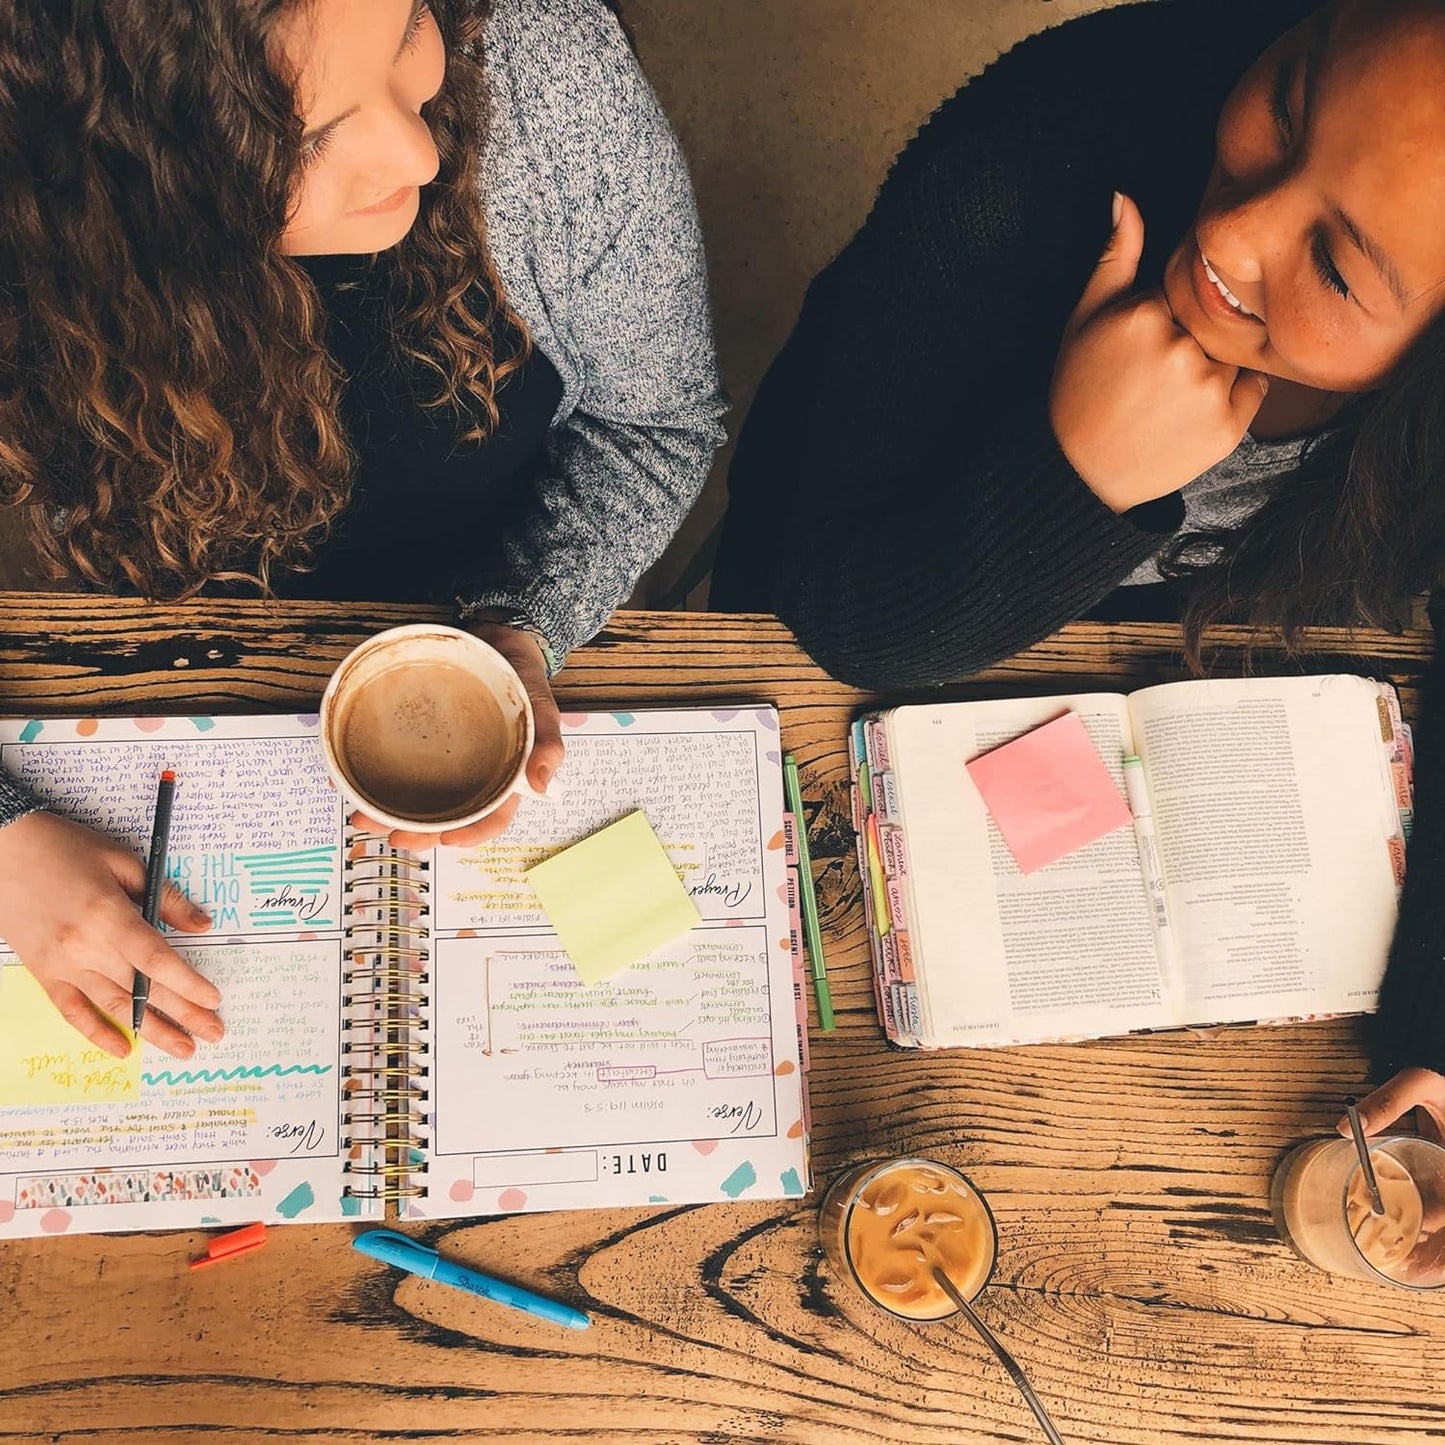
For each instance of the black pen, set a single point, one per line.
(140, 989)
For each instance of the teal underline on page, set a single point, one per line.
(292, 865)
(284, 920)
(241, 1071)
(330, 851)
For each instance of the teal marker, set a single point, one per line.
(416, 1258)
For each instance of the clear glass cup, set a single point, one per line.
(886, 1223)
(1321, 1206)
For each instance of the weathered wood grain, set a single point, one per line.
(1139, 1276)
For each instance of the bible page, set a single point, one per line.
(1274, 806)
(1006, 957)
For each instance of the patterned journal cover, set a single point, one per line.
(404, 1033)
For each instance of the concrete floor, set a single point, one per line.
(789, 112)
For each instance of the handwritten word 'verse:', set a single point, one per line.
(303, 905)
(731, 893)
(308, 1136)
(745, 1117)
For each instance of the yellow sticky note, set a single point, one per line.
(44, 1061)
(613, 898)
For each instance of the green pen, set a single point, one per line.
(806, 897)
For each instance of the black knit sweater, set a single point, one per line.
(901, 440)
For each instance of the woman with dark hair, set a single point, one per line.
(334, 298)
(983, 428)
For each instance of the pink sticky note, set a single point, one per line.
(1049, 792)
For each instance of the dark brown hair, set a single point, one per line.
(1347, 537)
(1354, 531)
(166, 398)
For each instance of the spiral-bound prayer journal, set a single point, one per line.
(404, 1032)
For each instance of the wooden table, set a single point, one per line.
(1139, 1278)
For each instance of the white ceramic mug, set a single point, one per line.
(426, 728)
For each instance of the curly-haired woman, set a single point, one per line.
(1019, 396)
(342, 298)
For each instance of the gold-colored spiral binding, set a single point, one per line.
(392, 1169)
(391, 950)
(384, 983)
(418, 1049)
(403, 999)
(405, 930)
(389, 1119)
(392, 870)
(393, 1071)
(389, 974)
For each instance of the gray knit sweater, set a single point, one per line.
(1227, 494)
(593, 227)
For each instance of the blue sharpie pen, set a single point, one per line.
(396, 1249)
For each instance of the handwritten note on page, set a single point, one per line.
(613, 898)
(45, 1061)
(252, 1127)
(676, 1080)
(1049, 792)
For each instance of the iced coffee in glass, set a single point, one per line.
(1323, 1208)
(887, 1223)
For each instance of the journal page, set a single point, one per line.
(1275, 809)
(676, 1079)
(1005, 957)
(245, 1129)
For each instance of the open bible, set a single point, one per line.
(1281, 809)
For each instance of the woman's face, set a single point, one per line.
(1324, 218)
(364, 70)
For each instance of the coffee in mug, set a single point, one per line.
(427, 728)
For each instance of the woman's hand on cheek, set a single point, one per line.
(68, 910)
(1420, 1089)
(522, 651)
(1137, 407)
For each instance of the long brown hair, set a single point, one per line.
(167, 402)
(1346, 538)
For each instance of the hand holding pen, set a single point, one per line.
(68, 909)
(140, 989)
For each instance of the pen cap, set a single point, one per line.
(396, 1249)
(1136, 787)
(228, 1246)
